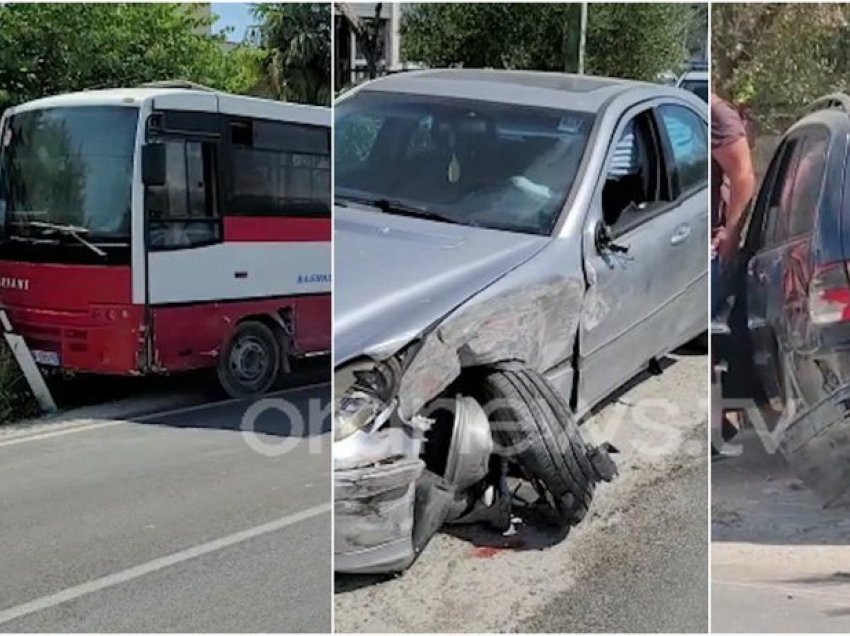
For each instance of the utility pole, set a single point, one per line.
(582, 38)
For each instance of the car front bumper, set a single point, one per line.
(375, 479)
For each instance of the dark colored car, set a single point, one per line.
(793, 301)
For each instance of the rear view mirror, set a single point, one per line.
(153, 164)
(605, 241)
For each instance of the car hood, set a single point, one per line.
(395, 275)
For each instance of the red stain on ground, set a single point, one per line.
(485, 552)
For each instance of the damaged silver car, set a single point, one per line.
(510, 248)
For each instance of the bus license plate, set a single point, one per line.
(49, 358)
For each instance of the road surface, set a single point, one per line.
(168, 522)
(639, 562)
(780, 562)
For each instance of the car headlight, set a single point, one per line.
(355, 411)
(365, 391)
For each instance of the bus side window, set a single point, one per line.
(279, 169)
(182, 212)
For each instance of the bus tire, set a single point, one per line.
(249, 363)
(551, 448)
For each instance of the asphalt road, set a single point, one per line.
(638, 562)
(780, 562)
(171, 522)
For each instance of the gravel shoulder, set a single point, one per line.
(639, 562)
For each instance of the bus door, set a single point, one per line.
(183, 227)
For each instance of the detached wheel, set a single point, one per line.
(535, 430)
(250, 362)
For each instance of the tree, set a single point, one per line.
(624, 40)
(297, 38)
(368, 34)
(638, 41)
(47, 49)
(776, 58)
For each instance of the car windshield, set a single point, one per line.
(70, 167)
(488, 164)
(697, 87)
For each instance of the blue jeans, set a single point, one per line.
(718, 287)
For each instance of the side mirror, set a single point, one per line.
(605, 242)
(153, 164)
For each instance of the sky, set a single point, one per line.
(236, 15)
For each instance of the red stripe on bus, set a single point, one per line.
(244, 229)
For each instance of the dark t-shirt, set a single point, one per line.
(726, 128)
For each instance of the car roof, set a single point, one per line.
(584, 93)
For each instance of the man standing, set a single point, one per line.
(730, 162)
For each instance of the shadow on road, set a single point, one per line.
(299, 405)
(654, 369)
(756, 498)
(535, 533)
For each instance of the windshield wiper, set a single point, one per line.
(74, 231)
(394, 206)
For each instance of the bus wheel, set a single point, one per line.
(250, 361)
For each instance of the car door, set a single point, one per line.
(778, 276)
(685, 133)
(763, 265)
(628, 309)
(802, 203)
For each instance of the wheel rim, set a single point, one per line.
(249, 361)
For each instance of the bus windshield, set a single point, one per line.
(69, 167)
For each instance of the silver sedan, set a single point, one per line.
(510, 248)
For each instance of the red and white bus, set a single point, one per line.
(162, 229)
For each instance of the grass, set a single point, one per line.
(16, 399)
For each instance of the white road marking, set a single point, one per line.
(785, 588)
(56, 433)
(67, 428)
(111, 580)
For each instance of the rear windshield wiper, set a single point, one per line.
(74, 231)
(394, 206)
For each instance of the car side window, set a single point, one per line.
(634, 183)
(788, 156)
(807, 183)
(688, 137)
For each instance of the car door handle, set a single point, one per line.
(681, 235)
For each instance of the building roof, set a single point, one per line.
(533, 88)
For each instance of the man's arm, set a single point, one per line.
(734, 159)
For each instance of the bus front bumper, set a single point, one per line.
(104, 340)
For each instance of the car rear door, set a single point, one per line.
(630, 310)
(779, 276)
(685, 135)
(803, 201)
(764, 271)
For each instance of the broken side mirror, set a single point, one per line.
(153, 164)
(605, 242)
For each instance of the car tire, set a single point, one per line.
(249, 363)
(545, 439)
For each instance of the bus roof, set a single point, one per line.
(190, 99)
